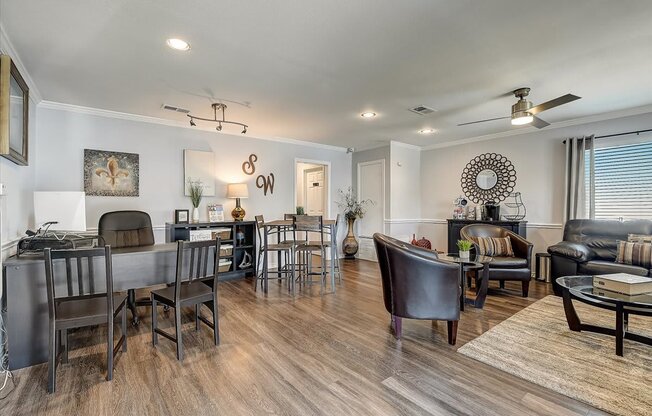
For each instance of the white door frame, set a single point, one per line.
(326, 163)
(382, 166)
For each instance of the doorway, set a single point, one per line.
(371, 185)
(312, 187)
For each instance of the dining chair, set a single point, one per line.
(195, 285)
(332, 243)
(85, 303)
(282, 248)
(311, 224)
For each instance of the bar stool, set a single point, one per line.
(281, 248)
(311, 224)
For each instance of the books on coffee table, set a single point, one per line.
(628, 284)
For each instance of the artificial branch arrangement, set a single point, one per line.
(196, 189)
(353, 208)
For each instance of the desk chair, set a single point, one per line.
(86, 308)
(197, 287)
(121, 229)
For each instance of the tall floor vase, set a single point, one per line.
(350, 244)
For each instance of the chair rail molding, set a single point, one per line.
(550, 226)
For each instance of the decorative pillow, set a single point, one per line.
(639, 238)
(637, 254)
(494, 247)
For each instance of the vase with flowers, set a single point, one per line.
(196, 191)
(353, 209)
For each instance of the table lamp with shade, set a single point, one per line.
(237, 191)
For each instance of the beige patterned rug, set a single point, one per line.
(536, 344)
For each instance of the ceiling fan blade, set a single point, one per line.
(482, 121)
(538, 123)
(564, 99)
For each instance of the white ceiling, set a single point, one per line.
(308, 68)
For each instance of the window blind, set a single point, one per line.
(623, 181)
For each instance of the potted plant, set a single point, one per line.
(464, 247)
(353, 209)
(196, 190)
(300, 211)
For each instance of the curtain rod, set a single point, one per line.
(637, 132)
(623, 134)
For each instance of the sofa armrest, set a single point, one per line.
(575, 251)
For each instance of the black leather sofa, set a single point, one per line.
(589, 248)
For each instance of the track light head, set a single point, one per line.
(192, 123)
(244, 131)
(219, 127)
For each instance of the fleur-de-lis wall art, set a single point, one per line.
(262, 182)
(111, 173)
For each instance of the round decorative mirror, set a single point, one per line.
(489, 177)
(486, 179)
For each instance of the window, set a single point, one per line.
(622, 180)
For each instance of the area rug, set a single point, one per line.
(536, 345)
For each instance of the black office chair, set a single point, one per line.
(196, 287)
(120, 229)
(86, 307)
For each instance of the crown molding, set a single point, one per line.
(405, 145)
(568, 123)
(7, 48)
(79, 109)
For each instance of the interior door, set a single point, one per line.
(314, 182)
(371, 185)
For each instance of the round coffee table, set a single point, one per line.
(473, 262)
(581, 288)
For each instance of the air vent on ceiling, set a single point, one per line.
(422, 109)
(173, 108)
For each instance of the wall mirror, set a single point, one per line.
(488, 177)
(14, 110)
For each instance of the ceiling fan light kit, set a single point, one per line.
(217, 107)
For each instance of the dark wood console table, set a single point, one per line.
(455, 226)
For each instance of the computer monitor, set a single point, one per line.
(67, 208)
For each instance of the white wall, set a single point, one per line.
(538, 158)
(63, 136)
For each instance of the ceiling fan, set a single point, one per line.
(524, 113)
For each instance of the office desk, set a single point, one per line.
(25, 297)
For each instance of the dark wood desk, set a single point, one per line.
(25, 297)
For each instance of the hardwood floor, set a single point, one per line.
(304, 356)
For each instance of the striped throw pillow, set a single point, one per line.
(637, 254)
(491, 246)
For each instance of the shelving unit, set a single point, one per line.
(246, 244)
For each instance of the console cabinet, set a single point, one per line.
(455, 226)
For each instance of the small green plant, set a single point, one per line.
(464, 245)
(300, 211)
(196, 192)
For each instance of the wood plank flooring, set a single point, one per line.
(311, 355)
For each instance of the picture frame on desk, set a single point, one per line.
(181, 216)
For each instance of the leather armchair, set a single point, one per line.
(417, 285)
(121, 229)
(517, 268)
(589, 248)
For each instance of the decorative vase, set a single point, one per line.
(350, 244)
(465, 254)
(195, 214)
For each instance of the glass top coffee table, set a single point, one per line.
(581, 288)
(473, 262)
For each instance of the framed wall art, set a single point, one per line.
(199, 167)
(111, 173)
(14, 112)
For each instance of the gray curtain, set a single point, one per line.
(579, 189)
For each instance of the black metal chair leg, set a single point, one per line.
(131, 303)
(124, 328)
(154, 322)
(52, 360)
(109, 351)
(177, 324)
(216, 322)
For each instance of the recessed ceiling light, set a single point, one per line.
(178, 44)
(368, 114)
(427, 131)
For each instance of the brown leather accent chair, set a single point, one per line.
(121, 229)
(517, 268)
(417, 285)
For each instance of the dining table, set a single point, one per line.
(276, 227)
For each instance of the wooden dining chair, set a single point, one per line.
(311, 225)
(284, 247)
(194, 285)
(83, 305)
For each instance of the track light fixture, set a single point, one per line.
(216, 107)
